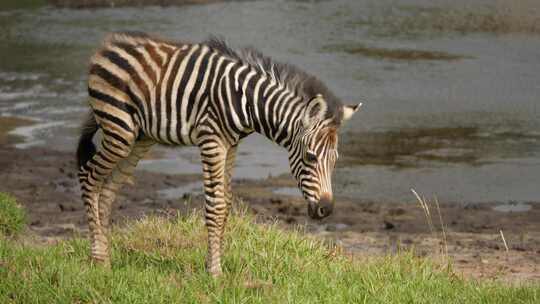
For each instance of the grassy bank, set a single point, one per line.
(161, 260)
(12, 216)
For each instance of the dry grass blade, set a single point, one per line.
(425, 207)
(443, 249)
(504, 241)
(443, 228)
(257, 284)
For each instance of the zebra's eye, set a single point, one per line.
(311, 157)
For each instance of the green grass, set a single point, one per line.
(161, 260)
(12, 216)
(21, 4)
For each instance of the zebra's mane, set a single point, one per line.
(288, 75)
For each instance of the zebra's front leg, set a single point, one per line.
(213, 156)
(229, 166)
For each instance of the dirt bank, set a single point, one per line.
(44, 181)
(122, 3)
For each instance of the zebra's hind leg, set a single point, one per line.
(213, 156)
(92, 176)
(120, 175)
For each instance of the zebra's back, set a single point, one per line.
(138, 83)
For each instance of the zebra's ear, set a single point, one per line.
(349, 110)
(315, 110)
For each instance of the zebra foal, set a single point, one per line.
(145, 90)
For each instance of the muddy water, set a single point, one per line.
(450, 88)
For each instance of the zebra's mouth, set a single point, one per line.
(318, 211)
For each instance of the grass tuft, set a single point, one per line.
(12, 216)
(161, 260)
(424, 204)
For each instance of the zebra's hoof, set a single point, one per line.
(214, 271)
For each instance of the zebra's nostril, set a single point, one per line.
(325, 207)
(322, 212)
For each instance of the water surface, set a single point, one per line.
(450, 88)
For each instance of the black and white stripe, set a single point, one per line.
(145, 90)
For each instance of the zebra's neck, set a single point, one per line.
(272, 109)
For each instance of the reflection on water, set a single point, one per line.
(181, 192)
(33, 134)
(257, 158)
(512, 207)
(7, 125)
(414, 147)
(450, 88)
(511, 180)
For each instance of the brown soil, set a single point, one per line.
(44, 181)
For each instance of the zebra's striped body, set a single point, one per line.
(145, 90)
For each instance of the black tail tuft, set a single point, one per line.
(86, 148)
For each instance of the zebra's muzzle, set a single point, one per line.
(320, 210)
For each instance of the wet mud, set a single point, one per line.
(498, 17)
(394, 54)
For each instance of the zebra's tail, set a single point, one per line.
(86, 148)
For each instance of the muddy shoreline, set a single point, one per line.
(85, 4)
(44, 181)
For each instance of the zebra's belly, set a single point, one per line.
(169, 130)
